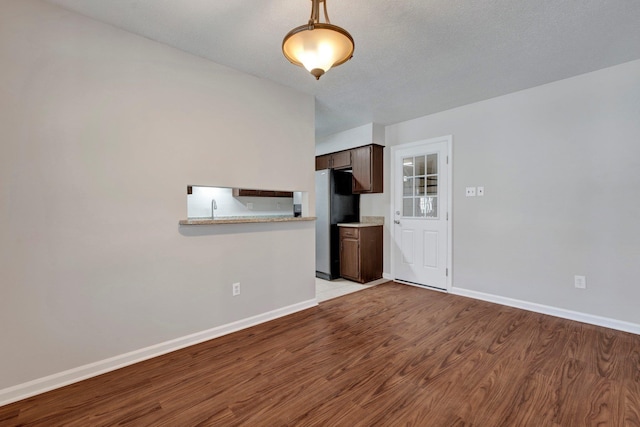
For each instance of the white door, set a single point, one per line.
(420, 213)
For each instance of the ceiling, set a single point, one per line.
(412, 57)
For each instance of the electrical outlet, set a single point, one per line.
(471, 192)
(480, 191)
(236, 289)
(580, 282)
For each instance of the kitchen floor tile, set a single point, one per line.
(326, 290)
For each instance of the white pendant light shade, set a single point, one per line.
(318, 46)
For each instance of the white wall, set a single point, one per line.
(101, 132)
(560, 165)
(371, 133)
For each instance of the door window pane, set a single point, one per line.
(420, 163)
(420, 207)
(432, 163)
(432, 185)
(407, 166)
(407, 187)
(420, 186)
(431, 207)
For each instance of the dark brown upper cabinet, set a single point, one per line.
(341, 160)
(338, 160)
(243, 192)
(365, 162)
(323, 162)
(367, 169)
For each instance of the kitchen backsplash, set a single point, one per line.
(200, 202)
(372, 220)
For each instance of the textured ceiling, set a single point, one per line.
(412, 57)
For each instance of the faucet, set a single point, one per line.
(214, 206)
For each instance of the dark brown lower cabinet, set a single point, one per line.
(361, 253)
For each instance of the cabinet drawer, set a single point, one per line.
(349, 232)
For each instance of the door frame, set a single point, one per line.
(448, 139)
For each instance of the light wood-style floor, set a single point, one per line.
(390, 355)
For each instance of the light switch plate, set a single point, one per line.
(471, 192)
(480, 191)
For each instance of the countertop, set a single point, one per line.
(359, 224)
(244, 220)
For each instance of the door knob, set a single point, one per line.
(397, 212)
(397, 222)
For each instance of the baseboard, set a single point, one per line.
(387, 276)
(550, 310)
(417, 285)
(61, 379)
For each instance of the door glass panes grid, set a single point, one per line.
(420, 186)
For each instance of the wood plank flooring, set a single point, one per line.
(391, 355)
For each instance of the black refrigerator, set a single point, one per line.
(335, 203)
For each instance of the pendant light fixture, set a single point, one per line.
(318, 46)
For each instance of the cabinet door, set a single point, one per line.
(371, 253)
(284, 194)
(362, 180)
(323, 162)
(341, 160)
(367, 169)
(350, 258)
(243, 192)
